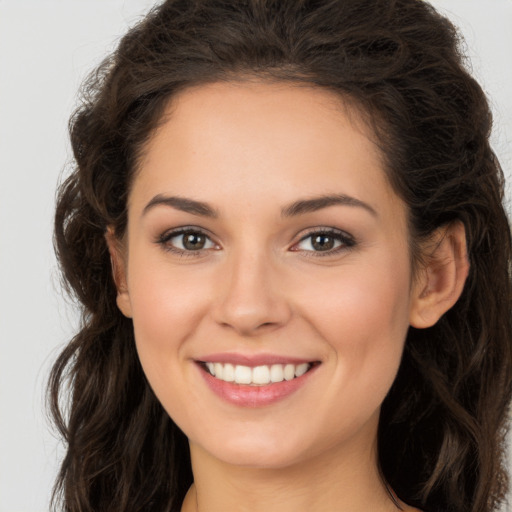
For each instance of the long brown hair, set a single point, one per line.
(442, 427)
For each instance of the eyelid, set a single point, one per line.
(346, 239)
(164, 239)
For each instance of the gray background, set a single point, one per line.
(46, 48)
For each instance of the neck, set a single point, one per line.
(341, 480)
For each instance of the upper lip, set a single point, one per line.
(252, 360)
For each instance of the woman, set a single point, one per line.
(285, 227)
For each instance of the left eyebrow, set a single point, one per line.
(317, 203)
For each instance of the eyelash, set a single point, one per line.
(347, 242)
(165, 238)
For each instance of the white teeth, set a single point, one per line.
(219, 370)
(289, 371)
(259, 375)
(301, 369)
(243, 374)
(229, 373)
(276, 372)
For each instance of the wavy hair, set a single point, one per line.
(443, 423)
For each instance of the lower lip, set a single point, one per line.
(244, 395)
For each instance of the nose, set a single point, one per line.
(251, 298)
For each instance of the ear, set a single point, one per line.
(118, 262)
(441, 280)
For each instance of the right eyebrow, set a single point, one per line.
(184, 204)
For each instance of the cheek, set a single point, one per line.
(364, 317)
(166, 307)
(369, 298)
(163, 298)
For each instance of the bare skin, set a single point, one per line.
(292, 489)
(328, 282)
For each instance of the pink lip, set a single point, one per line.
(244, 395)
(251, 360)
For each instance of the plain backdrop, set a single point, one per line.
(46, 49)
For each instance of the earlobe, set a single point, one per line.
(118, 263)
(441, 281)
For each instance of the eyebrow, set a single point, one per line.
(317, 203)
(299, 207)
(184, 204)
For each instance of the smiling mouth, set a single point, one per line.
(258, 375)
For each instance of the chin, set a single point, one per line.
(253, 450)
(258, 458)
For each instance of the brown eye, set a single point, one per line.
(189, 240)
(194, 241)
(329, 242)
(322, 242)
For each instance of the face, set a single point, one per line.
(265, 246)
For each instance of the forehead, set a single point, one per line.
(265, 113)
(239, 141)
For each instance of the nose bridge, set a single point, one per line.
(249, 296)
